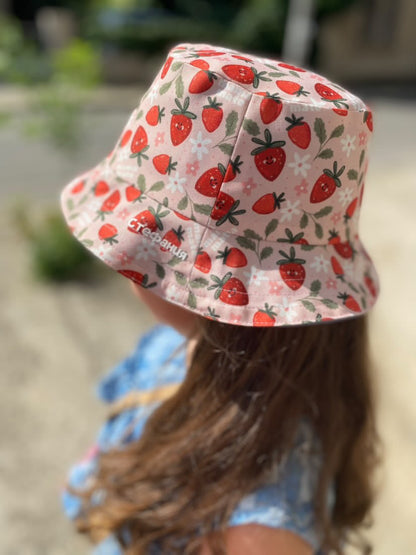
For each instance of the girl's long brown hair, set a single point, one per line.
(236, 413)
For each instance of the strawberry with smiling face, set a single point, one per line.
(232, 257)
(181, 122)
(298, 131)
(326, 184)
(270, 107)
(229, 290)
(225, 208)
(212, 115)
(139, 145)
(269, 157)
(291, 269)
(245, 75)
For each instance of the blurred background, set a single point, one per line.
(71, 71)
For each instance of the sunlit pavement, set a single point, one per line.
(55, 341)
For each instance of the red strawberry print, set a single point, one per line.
(340, 111)
(154, 115)
(288, 66)
(202, 64)
(139, 145)
(208, 52)
(126, 137)
(297, 239)
(371, 286)
(203, 261)
(244, 74)
(181, 216)
(166, 67)
(149, 218)
(229, 290)
(350, 209)
(349, 302)
(298, 131)
(225, 208)
(368, 118)
(233, 169)
(232, 257)
(361, 194)
(212, 115)
(78, 187)
(326, 93)
(101, 188)
(326, 184)
(269, 157)
(164, 164)
(181, 122)
(109, 204)
(209, 183)
(202, 81)
(141, 279)
(291, 87)
(132, 193)
(337, 268)
(108, 233)
(291, 269)
(264, 317)
(242, 58)
(270, 107)
(174, 236)
(268, 203)
(343, 248)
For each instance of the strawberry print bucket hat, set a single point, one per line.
(234, 190)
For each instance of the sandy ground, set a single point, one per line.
(56, 341)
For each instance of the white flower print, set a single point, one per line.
(289, 209)
(145, 250)
(176, 183)
(199, 145)
(287, 311)
(348, 144)
(255, 276)
(345, 196)
(300, 165)
(320, 264)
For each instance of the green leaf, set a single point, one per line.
(271, 226)
(158, 186)
(307, 247)
(73, 216)
(337, 132)
(176, 65)
(294, 73)
(309, 306)
(329, 303)
(362, 158)
(266, 252)
(319, 128)
(179, 88)
(319, 232)
(183, 203)
(165, 87)
(191, 300)
(226, 148)
(203, 209)
(70, 204)
(251, 234)
(323, 212)
(315, 287)
(304, 220)
(231, 123)
(141, 183)
(352, 174)
(87, 242)
(246, 243)
(199, 282)
(180, 278)
(139, 115)
(251, 127)
(160, 271)
(325, 154)
(276, 74)
(174, 261)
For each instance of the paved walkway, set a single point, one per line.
(55, 341)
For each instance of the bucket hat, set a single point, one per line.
(234, 190)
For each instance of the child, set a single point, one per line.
(244, 422)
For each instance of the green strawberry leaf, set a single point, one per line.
(183, 203)
(327, 153)
(70, 204)
(320, 131)
(203, 209)
(309, 306)
(277, 73)
(180, 278)
(179, 88)
(362, 158)
(337, 132)
(174, 261)
(304, 220)
(352, 174)
(315, 287)
(323, 212)
(158, 186)
(252, 234)
(160, 270)
(364, 304)
(165, 87)
(231, 123)
(307, 247)
(319, 232)
(141, 183)
(329, 303)
(226, 148)
(87, 242)
(199, 282)
(246, 243)
(176, 65)
(266, 252)
(251, 127)
(271, 226)
(191, 300)
(73, 216)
